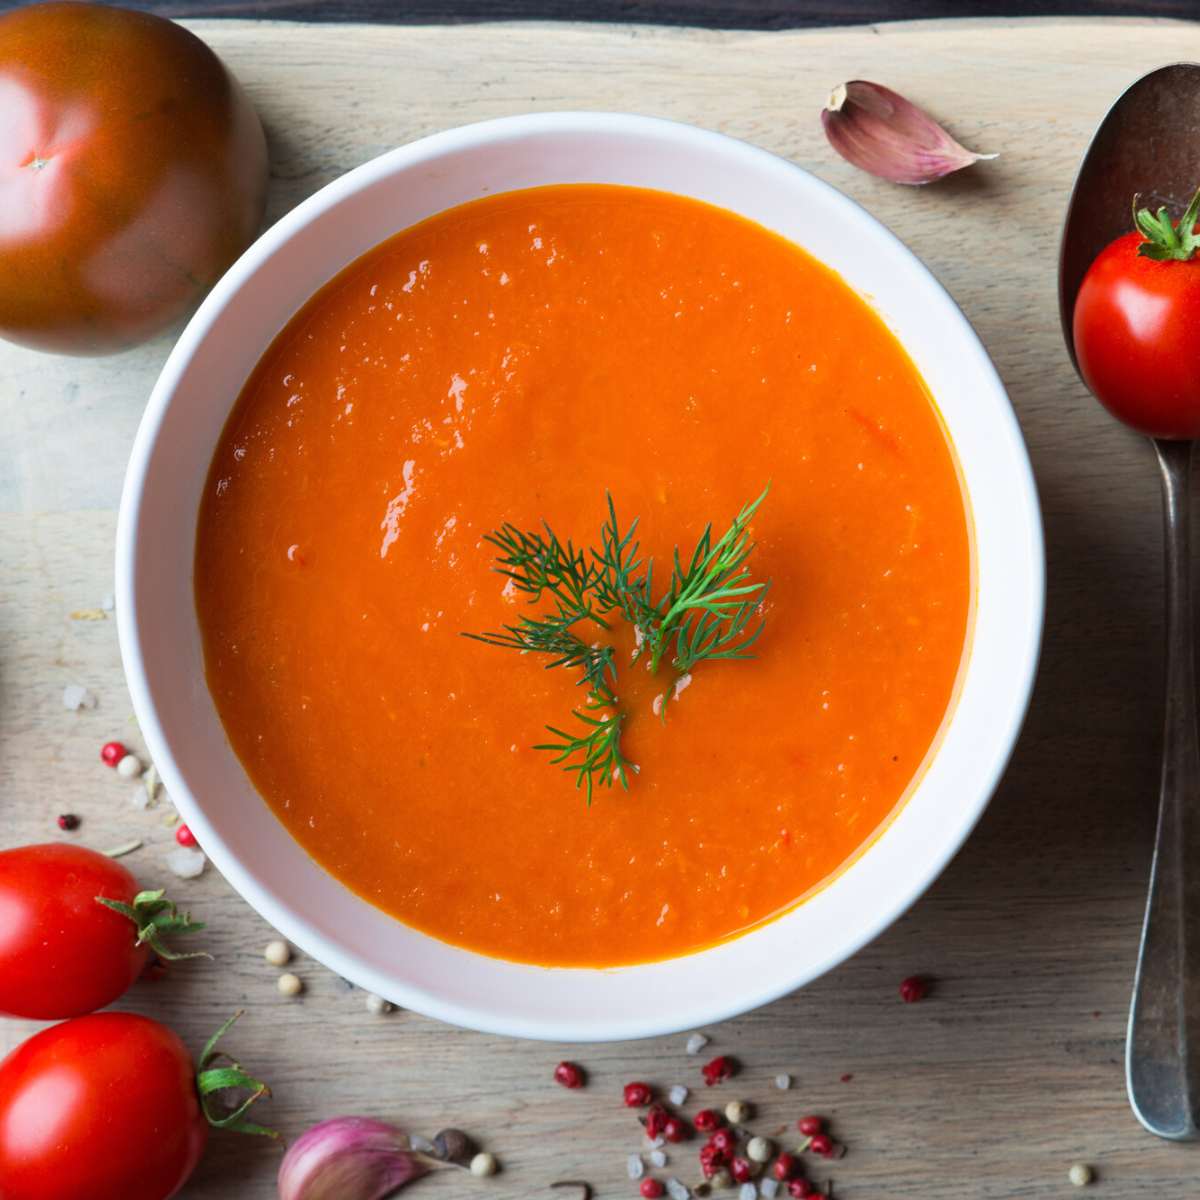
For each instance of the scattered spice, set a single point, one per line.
(68, 821)
(125, 848)
(695, 1043)
(718, 1070)
(585, 1189)
(740, 1169)
(882, 133)
(184, 836)
(677, 1190)
(737, 1112)
(706, 1120)
(278, 953)
(658, 1158)
(678, 1095)
(186, 862)
(289, 984)
(88, 614)
(484, 1164)
(847, 1077)
(914, 989)
(111, 753)
(759, 1150)
(453, 1146)
(129, 766)
(651, 1189)
(1080, 1174)
(76, 696)
(635, 1167)
(377, 1006)
(637, 1095)
(675, 1130)
(785, 1166)
(569, 1075)
(783, 1082)
(811, 1126)
(822, 1144)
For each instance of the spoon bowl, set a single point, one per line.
(1147, 144)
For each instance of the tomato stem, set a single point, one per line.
(211, 1079)
(1166, 241)
(153, 916)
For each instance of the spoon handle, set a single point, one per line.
(1162, 1058)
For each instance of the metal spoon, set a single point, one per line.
(1150, 143)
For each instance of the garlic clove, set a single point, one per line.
(348, 1158)
(881, 132)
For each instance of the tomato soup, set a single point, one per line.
(515, 360)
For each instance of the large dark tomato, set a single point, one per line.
(61, 953)
(132, 173)
(99, 1108)
(1136, 325)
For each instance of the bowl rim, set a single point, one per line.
(230, 863)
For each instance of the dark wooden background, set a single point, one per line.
(717, 14)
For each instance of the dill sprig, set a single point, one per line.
(707, 612)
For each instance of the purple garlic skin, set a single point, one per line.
(884, 134)
(348, 1158)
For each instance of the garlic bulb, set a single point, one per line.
(881, 132)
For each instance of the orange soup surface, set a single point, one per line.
(515, 359)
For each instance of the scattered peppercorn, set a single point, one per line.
(676, 1130)
(737, 1112)
(1080, 1174)
(759, 1150)
(129, 767)
(289, 984)
(725, 1140)
(651, 1189)
(111, 753)
(785, 1166)
(799, 1189)
(68, 821)
(637, 1095)
(484, 1164)
(277, 953)
(656, 1121)
(914, 988)
(569, 1074)
(741, 1170)
(721, 1068)
(185, 837)
(707, 1119)
(821, 1144)
(452, 1145)
(810, 1126)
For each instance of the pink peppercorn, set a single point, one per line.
(799, 1189)
(184, 836)
(707, 1119)
(676, 1130)
(711, 1159)
(656, 1121)
(741, 1170)
(914, 988)
(569, 1074)
(724, 1140)
(822, 1144)
(637, 1095)
(810, 1126)
(651, 1189)
(785, 1167)
(111, 753)
(720, 1069)
(68, 821)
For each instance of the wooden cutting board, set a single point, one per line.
(1012, 1070)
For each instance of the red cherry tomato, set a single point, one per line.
(103, 1108)
(1135, 327)
(61, 953)
(133, 171)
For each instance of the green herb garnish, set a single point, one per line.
(707, 612)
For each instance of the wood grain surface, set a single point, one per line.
(1012, 1069)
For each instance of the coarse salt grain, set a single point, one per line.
(678, 1095)
(696, 1043)
(138, 798)
(635, 1166)
(108, 603)
(655, 1142)
(768, 1187)
(186, 862)
(783, 1082)
(677, 1189)
(747, 1192)
(658, 1158)
(422, 1145)
(76, 696)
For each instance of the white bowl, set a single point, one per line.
(160, 637)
